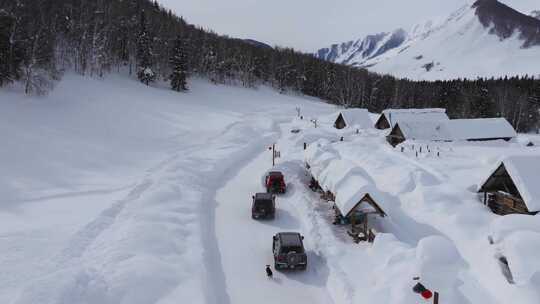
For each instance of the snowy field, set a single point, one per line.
(113, 192)
(108, 188)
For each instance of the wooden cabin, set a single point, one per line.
(396, 136)
(340, 122)
(390, 117)
(513, 186)
(353, 193)
(353, 117)
(481, 129)
(419, 130)
(357, 216)
(383, 122)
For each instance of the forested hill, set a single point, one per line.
(40, 39)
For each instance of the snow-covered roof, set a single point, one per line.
(425, 130)
(346, 180)
(523, 169)
(524, 172)
(318, 155)
(456, 129)
(355, 117)
(481, 128)
(335, 173)
(431, 114)
(352, 190)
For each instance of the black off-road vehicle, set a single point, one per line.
(289, 252)
(264, 206)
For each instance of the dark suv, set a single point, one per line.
(264, 206)
(289, 252)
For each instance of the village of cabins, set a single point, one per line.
(509, 188)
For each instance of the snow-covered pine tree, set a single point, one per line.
(179, 66)
(144, 53)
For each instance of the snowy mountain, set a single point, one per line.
(483, 39)
(535, 14)
(361, 50)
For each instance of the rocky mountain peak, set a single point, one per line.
(504, 21)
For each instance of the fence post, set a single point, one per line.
(435, 298)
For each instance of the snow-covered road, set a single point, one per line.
(246, 245)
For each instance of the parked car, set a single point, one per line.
(289, 252)
(275, 182)
(263, 206)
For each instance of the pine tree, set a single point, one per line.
(144, 53)
(5, 45)
(11, 53)
(179, 66)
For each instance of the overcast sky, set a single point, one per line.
(311, 24)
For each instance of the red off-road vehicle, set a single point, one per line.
(275, 182)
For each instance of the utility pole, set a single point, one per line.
(275, 154)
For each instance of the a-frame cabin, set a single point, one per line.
(513, 186)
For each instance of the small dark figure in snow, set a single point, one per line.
(268, 271)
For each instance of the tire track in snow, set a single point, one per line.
(84, 237)
(71, 195)
(216, 292)
(66, 264)
(250, 255)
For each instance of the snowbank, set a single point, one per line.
(503, 226)
(521, 249)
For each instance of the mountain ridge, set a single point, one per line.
(504, 21)
(454, 47)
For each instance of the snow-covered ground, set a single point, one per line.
(113, 192)
(434, 193)
(108, 187)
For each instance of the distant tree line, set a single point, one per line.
(40, 39)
